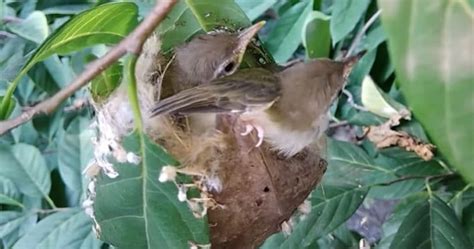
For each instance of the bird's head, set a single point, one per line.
(215, 55)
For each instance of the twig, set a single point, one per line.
(350, 100)
(131, 44)
(361, 33)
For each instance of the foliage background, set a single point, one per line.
(390, 197)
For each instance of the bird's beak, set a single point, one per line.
(246, 35)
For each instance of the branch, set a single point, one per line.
(131, 44)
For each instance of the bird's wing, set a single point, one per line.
(240, 92)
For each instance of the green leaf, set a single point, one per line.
(285, 38)
(74, 153)
(378, 102)
(468, 221)
(9, 107)
(430, 52)
(404, 164)
(60, 71)
(34, 27)
(105, 24)
(66, 229)
(91, 242)
(211, 14)
(431, 224)
(70, 9)
(348, 159)
(373, 38)
(254, 9)
(135, 210)
(400, 212)
(10, 221)
(338, 239)
(345, 15)
(316, 36)
(331, 207)
(9, 193)
(190, 17)
(106, 82)
(27, 168)
(11, 59)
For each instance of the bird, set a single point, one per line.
(207, 57)
(204, 58)
(193, 140)
(288, 109)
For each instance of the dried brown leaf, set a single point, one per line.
(383, 136)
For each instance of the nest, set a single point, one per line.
(253, 190)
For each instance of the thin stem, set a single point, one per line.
(467, 187)
(130, 62)
(50, 202)
(361, 33)
(53, 210)
(351, 101)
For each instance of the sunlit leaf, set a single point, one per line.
(316, 36)
(378, 102)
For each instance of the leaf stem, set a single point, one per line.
(130, 62)
(50, 202)
(467, 187)
(53, 210)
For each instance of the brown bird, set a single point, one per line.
(289, 107)
(207, 57)
(194, 141)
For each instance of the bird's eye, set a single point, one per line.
(229, 67)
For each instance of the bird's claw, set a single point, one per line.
(260, 133)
